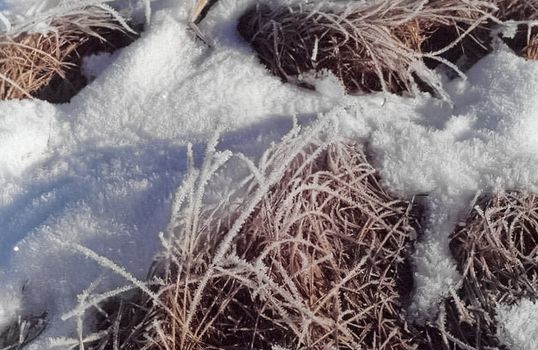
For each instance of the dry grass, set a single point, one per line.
(316, 260)
(123, 322)
(339, 251)
(386, 45)
(22, 332)
(30, 61)
(517, 10)
(531, 50)
(498, 246)
(496, 251)
(368, 47)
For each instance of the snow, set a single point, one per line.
(100, 170)
(484, 142)
(10, 305)
(518, 328)
(25, 131)
(94, 65)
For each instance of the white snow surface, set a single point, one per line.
(100, 170)
(25, 130)
(517, 326)
(94, 65)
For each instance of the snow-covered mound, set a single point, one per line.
(100, 170)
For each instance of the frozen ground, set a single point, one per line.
(100, 170)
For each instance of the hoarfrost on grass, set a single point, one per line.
(100, 171)
(484, 142)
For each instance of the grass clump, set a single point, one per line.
(384, 45)
(498, 246)
(42, 58)
(313, 256)
(368, 46)
(496, 250)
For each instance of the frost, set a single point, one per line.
(38, 16)
(10, 306)
(101, 171)
(518, 327)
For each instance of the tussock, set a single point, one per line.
(496, 253)
(314, 258)
(29, 61)
(498, 245)
(316, 264)
(369, 47)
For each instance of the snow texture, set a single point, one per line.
(517, 327)
(25, 131)
(94, 65)
(100, 171)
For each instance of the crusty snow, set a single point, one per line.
(100, 170)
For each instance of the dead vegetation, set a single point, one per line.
(517, 10)
(315, 265)
(531, 50)
(521, 13)
(525, 42)
(47, 65)
(385, 45)
(369, 47)
(496, 250)
(318, 260)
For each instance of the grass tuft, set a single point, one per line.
(316, 264)
(22, 332)
(313, 257)
(368, 46)
(30, 61)
(496, 250)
